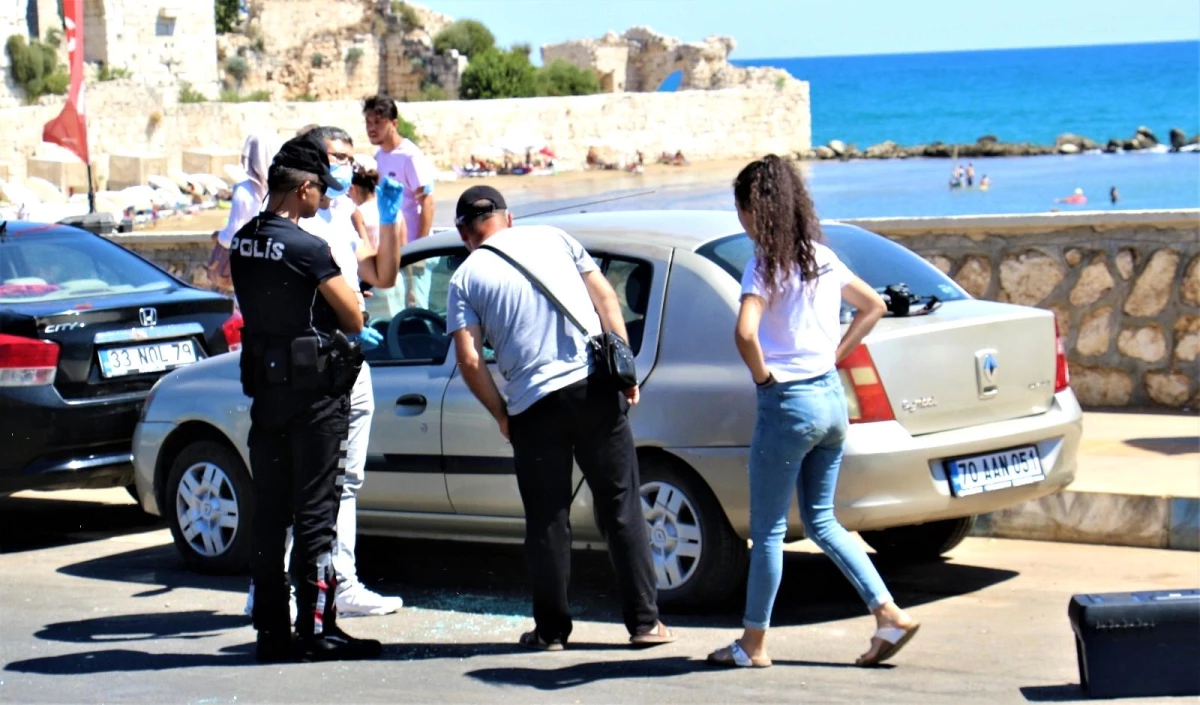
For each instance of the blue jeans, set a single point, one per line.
(798, 437)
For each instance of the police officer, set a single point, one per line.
(298, 366)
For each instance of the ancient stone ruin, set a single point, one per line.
(640, 60)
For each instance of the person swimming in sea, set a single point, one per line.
(1114, 195)
(984, 183)
(1076, 198)
(970, 174)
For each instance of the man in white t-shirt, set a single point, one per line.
(401, 159)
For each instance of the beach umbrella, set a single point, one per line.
(46, 191)
(236, 173)
(546, 152)
(212, 184)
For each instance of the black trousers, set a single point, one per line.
(297, 457)
(586, 420)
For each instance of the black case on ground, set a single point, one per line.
(1137, 644)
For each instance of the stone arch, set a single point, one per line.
(95, 30)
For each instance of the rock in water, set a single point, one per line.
(1114, 145)
(838, 147)
(1178, 138)
(1148, 136)
(883, 150)
(987, 139)
(1081, 142)
(1069, 148)
(824, 152)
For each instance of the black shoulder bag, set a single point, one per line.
(610, 353)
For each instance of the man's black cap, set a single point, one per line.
(306, 153)
(477, 202)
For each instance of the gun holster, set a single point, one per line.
(302, 364)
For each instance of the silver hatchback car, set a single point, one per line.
(958, 407)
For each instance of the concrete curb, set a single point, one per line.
(1100, 518)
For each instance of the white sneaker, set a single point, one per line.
(248, 610)
(358, 601)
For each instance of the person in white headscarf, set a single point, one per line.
(247, 200)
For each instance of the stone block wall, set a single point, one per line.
(725, 124)
(1124, 286)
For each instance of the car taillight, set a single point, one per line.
(232, 328)
(865, 396)
(1062, 375)
(25, 362)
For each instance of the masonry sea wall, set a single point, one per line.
(124, 118)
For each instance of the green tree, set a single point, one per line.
(498, 74)
(562, 78)
(35, 66)
(469, 37)
(227, 15)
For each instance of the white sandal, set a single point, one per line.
(894, 639)
(734, 656)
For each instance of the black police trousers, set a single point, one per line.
(297, 457)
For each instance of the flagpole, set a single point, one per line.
(91, 191)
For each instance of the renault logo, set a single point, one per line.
(987, 373)
(148, 317)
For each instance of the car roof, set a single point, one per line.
(683, 229)
(24, 227)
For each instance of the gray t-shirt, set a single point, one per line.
(537, 349)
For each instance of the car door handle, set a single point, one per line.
(411, 405)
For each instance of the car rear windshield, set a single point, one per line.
(46, 265)
(875, 259)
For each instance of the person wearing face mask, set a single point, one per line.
(341, 226)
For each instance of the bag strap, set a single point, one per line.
(537, 284)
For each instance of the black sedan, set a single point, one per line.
(86, 329)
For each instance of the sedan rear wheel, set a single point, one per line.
(209, 496)
(919, 542)
(698, 559)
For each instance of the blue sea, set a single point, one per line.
(1019, 95)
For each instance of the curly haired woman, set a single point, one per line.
(789, 335)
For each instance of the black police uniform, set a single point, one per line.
(299, 419)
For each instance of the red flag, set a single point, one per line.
(69, 129)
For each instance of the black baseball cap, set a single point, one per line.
(306, 153)
(477, 202)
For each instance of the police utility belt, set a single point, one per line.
(305, 364)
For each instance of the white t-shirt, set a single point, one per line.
(244, 205)
(408, 165)
(334, 226)
(800, 329)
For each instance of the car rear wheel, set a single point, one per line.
(698, 559)
(920, 542)
(208, 506)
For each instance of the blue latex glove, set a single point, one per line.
(369, 338)
(389, 194)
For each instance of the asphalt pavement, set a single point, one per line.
(98, 608)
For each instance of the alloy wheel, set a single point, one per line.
(675, 535)
(206, 507)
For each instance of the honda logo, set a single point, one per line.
(987, 373)
(148, 316)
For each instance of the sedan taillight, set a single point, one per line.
(1062, 375)
(25, 362)
(232, 329)
(865, 396)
